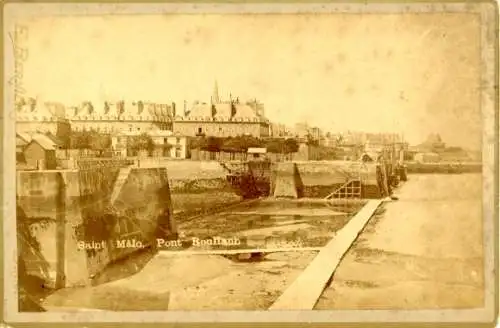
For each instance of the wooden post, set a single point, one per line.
(60, 232)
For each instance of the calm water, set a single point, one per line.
(272, 224)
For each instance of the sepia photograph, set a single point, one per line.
(261, 158)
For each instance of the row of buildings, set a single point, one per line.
(221, 118)
(169, 125)
(164, 123)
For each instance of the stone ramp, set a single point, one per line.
(308, 287)
(119, 183)
(288, 183)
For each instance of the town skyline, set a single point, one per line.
(337, 86)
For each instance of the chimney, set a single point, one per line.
(32, 104)
(120, 107)
(185, 108)
(90, 107)
(173, 109)
(214, 110)
(140, 106)
(215, 96)
(233, 110)
(20, 103)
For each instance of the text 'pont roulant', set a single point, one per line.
(178, 243)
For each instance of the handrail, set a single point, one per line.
(343, 186)
(338, 189)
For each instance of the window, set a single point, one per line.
(178, 153)
(200, 130)
(178, 140)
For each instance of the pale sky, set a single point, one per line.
(413, 74)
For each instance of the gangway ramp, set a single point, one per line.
(308, 287)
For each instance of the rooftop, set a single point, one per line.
(44, 141)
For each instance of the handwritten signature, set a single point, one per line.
(17, 38)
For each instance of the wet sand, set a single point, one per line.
(213, 282)
(192, 282)
(424, 252)
(314, 224)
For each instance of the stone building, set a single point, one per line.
(33, 116)
(115, 117)
(330, 140)
(304, 131)
(40, 153)
(218, 118)
(178, 144)
(223, 118)
(315, 133)
(280, 130)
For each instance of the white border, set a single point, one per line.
(487, 12)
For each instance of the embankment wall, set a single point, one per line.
(63, 215)
(199, 187)
(317, 179)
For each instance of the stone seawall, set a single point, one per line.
(198, 187)
(68, 227)
(320, 178)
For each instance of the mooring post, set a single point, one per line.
(60, 231)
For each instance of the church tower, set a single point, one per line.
(215, 96)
